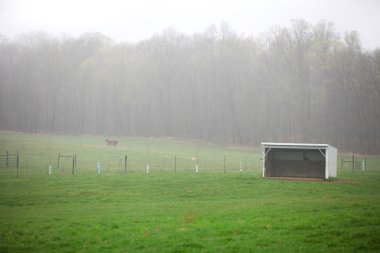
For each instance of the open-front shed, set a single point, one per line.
(299, 160)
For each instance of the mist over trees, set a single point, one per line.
(302, 83)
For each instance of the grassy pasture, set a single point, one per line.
(164, 155)
(177, 212)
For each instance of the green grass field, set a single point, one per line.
(163, 211)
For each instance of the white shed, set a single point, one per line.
(299, 160)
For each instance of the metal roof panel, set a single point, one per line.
(294, 145)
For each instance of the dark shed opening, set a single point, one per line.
(301, 163)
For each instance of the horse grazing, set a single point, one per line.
(112, 142)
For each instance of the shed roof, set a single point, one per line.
(295, 145)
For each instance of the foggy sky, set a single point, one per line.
(134, 21)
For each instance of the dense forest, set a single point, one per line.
(301, 83)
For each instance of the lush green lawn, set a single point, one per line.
(180, 212)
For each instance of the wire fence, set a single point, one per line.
(66, 165)
(40, 164)
(358, 164)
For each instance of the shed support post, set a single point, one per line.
(264, 156)
(326, 164)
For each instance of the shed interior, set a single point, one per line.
(302, 163)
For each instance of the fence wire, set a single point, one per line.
(40, 164)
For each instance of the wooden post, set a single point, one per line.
(353, 163)
(72, 172)
(365, 163)
(125, 164)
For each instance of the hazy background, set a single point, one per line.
(239, 72)
(133, 21)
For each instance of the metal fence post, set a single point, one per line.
(17, 161)
(59, 155)
(224, 164)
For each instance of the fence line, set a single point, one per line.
(154, 163)
(356, 163)
(176, 163)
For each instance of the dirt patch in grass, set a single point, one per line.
(315, 180)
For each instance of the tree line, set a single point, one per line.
(299, 83)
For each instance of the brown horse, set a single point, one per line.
(112, 142)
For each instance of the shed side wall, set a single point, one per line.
(332, 162)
